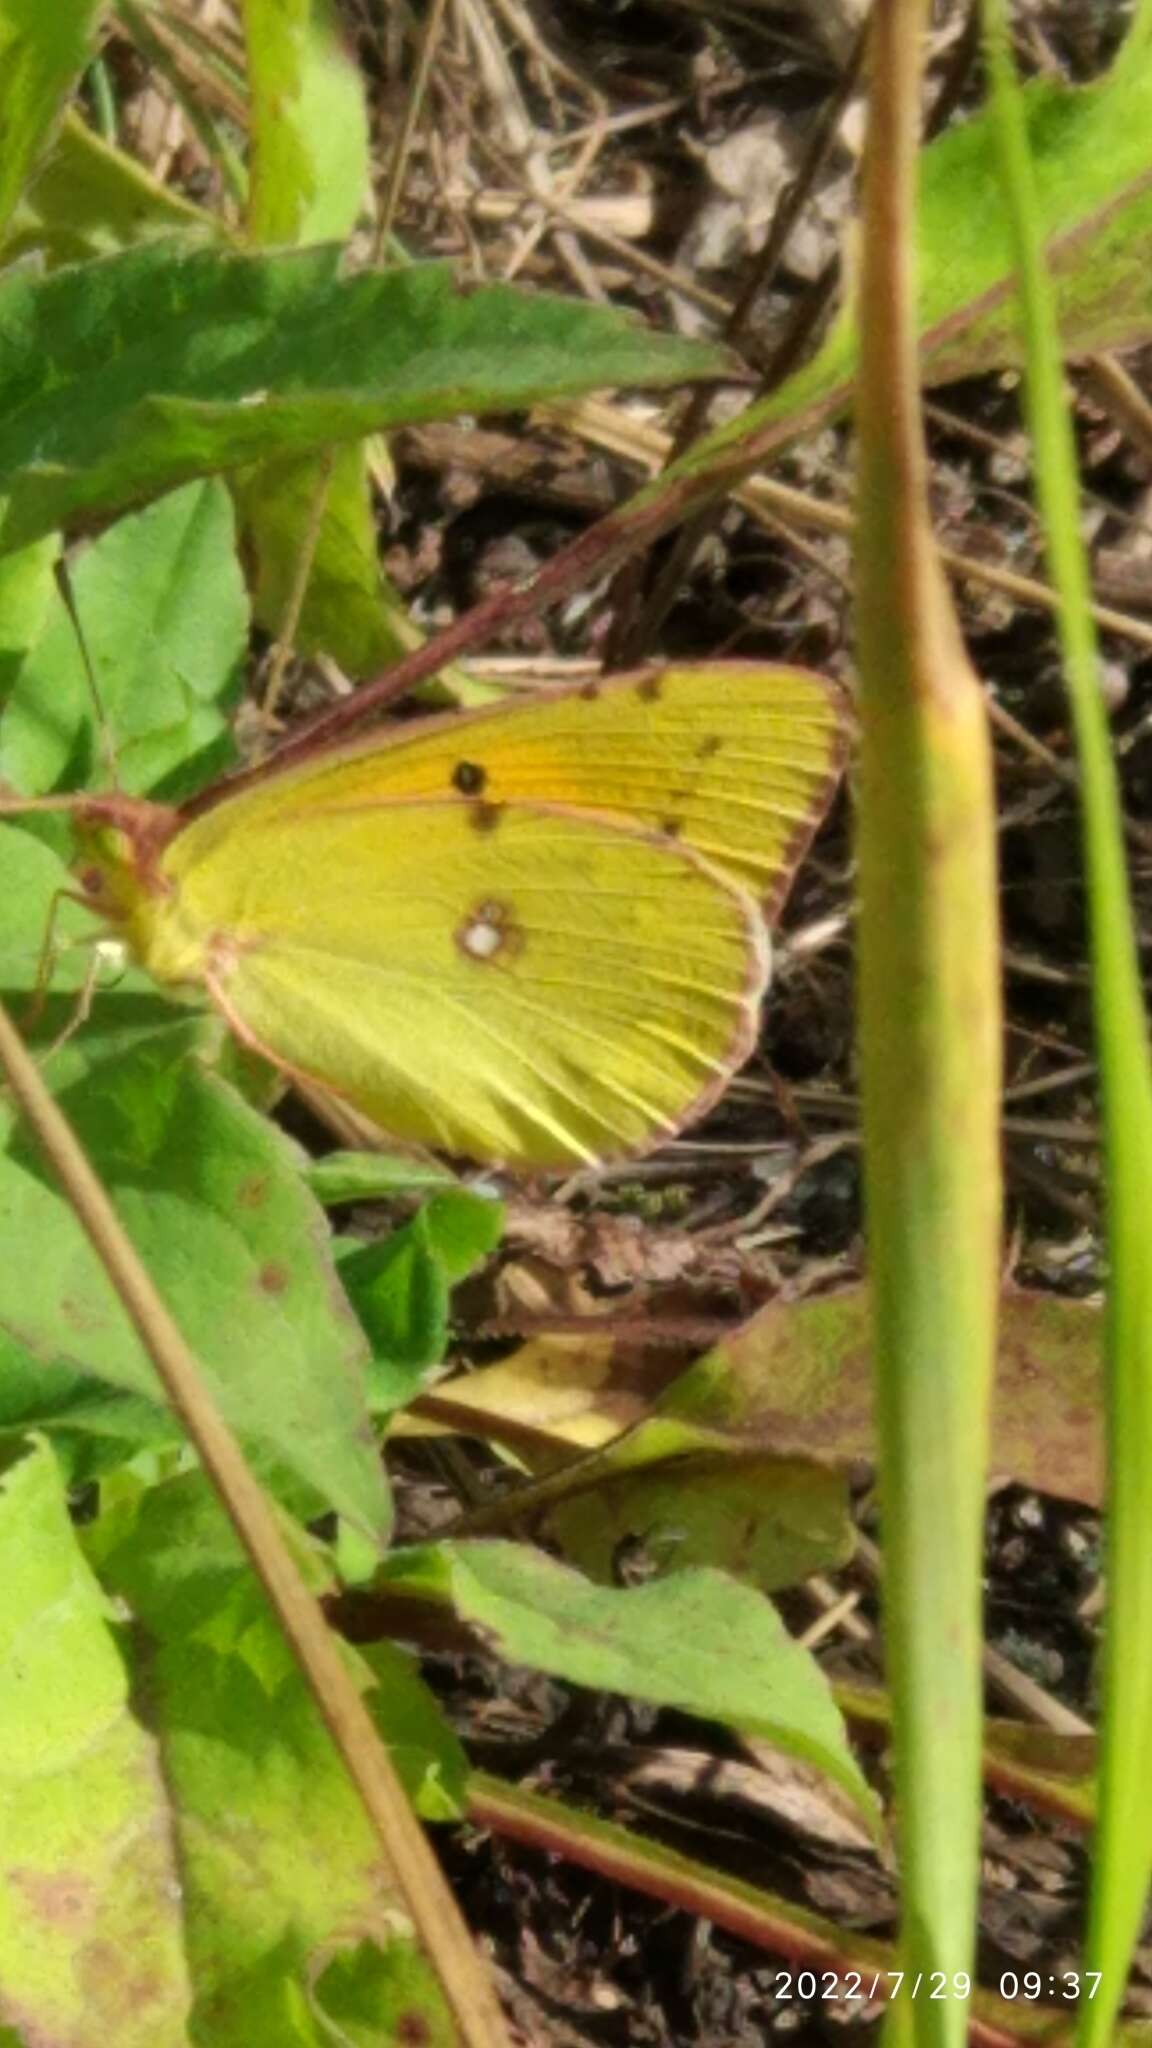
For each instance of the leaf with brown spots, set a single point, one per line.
(252, 1283)
(794, 1382)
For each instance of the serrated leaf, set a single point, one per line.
(125, 377)
(174, 1555)
(308, 125)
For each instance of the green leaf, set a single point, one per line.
(696, 1640)
(623, 1465)
(124, 377)
(371, 1997)
(308, 125)
(310, 177)
(461, 1229)
(773, 1521)
(89, 198)
(280, 1872)
(209, 1194)
(88, 1866)
(174, 1556)
(42, 53)
(401, 1288)
(1091, 149)
(400, 1292)
(27, 590)
(373, 1176)
(164, 615)
(798, 1376)
(33, 878)
(426, 1752)
(92, 1428)
(350, 609)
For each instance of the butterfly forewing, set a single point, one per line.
(520, 985)
(738, 761)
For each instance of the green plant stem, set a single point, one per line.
(930, 1066)
(103, 100)
(1124, 1837)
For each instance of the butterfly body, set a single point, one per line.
(533, 935)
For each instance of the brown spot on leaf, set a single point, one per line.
(412, 2030)
(272, 1277)
(82, 1315)
(709, 746)
(59, 1900)
(651, 687)
(672, 827)
(252, 1192)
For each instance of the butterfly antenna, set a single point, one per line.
(104, 725)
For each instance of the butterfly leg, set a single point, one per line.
(46, 964)
(46, 968)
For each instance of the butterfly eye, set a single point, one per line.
(93, 881)
(469, 778)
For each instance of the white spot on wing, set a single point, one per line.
(481, 938)
(487, 931)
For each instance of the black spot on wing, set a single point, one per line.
(470, 778)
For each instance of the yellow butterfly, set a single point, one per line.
(534, 934)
